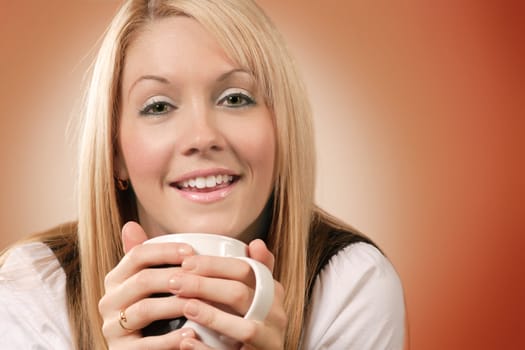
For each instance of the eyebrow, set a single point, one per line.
(165, 81)
(226, 75)
(148, 77)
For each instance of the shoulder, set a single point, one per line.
(32, 299)
(357, 302)
(360, 259)
(30, 263)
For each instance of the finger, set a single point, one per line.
(277, 315)
(248, 332)
(147, 255)
(168, 341)
(193, 344)
(140, 285)
(120, 295)
(132, 235)
(233, 296)
(257, 250)
(148, 310)
(219, 267)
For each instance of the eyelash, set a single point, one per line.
(147, 110)
(246, 98)
(167, 107)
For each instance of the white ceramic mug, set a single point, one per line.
(218, 245)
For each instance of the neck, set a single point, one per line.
(259, 228)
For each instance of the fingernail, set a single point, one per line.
(187, 333)
(184, 250)
(188, 264)
(191, 309)
(175, 283)
(187, 344)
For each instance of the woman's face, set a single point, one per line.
(196, 138)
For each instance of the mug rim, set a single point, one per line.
(165, 238)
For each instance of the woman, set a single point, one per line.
(195, 120)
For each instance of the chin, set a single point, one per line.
(213, 229)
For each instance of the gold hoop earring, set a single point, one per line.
(122, 185)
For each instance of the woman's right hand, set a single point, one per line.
(126, 306)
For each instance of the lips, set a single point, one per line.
(206, 187)
(205, 182)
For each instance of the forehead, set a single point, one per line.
(179, 30)
(175, 44)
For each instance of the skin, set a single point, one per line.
(177, 122)
(197, 131)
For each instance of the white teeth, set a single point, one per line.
(200, 182)
(210, 181)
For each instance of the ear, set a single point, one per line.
(119, 166)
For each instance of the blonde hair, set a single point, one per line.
(250, 39)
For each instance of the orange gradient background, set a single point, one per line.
(420, 122)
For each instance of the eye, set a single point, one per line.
(236, 99)
(156, 106)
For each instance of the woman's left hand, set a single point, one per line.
(229, 282)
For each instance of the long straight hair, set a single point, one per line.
(250, 39)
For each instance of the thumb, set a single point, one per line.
(257, 250)
(132, 235)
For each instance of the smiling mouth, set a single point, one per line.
(206, 183)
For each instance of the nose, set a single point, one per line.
(202, 135)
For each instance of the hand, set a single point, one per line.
(221, 290)
(126, 306)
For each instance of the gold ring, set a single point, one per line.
(122, 320)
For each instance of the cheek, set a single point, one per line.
(266, 155)
(145, 154)
(257, 147)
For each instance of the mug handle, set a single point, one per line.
(264, 291)
(258, 310)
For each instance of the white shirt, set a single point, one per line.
(357, 302)
(33, 312)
